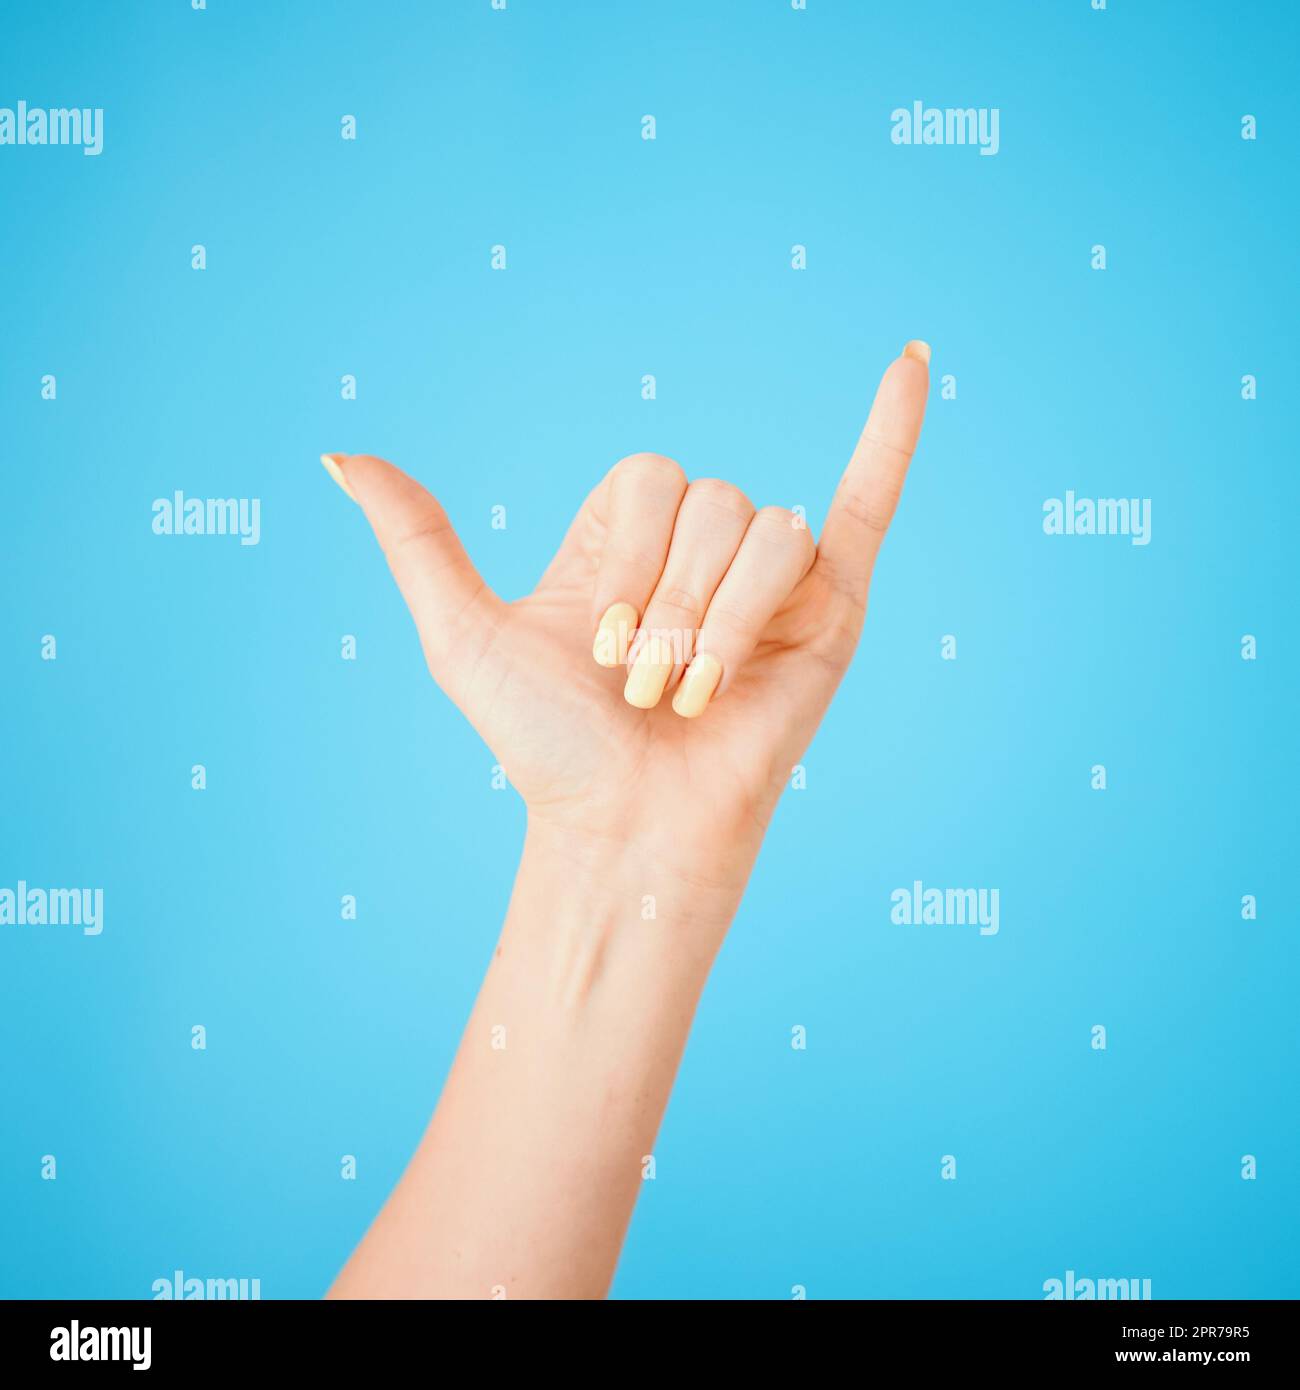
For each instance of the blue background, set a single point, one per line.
(1123, 908)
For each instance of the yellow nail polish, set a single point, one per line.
(697, 687)
(616, 628)
(919, 351)
(331, 462)
(649, 674)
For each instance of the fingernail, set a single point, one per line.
(616, 626)
(918, 350)
(697, 687)
(649, 674)
(331, 462)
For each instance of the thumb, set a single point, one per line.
(454, 610)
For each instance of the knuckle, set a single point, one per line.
(719, 493)
(674, 596)
(777, 522)
(410, 548)
(874, 509)
(640, 560)
(745, 627)
(879, 442)
(782, 527)
(429, 527)
(652, 468)
(844, 584)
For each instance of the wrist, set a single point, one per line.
(600, 920)
(695, 880)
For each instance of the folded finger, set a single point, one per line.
(778, 550)
(709, 528)
(645, 492)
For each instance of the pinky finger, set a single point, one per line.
(775, 555)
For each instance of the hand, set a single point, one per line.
(639, 782)
(746, 627)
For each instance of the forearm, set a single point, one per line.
(527, 1175)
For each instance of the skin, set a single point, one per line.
(643, 827)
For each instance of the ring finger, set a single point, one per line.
(778, 550)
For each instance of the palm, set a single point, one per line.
(557, 724)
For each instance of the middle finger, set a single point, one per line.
(710, 525)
